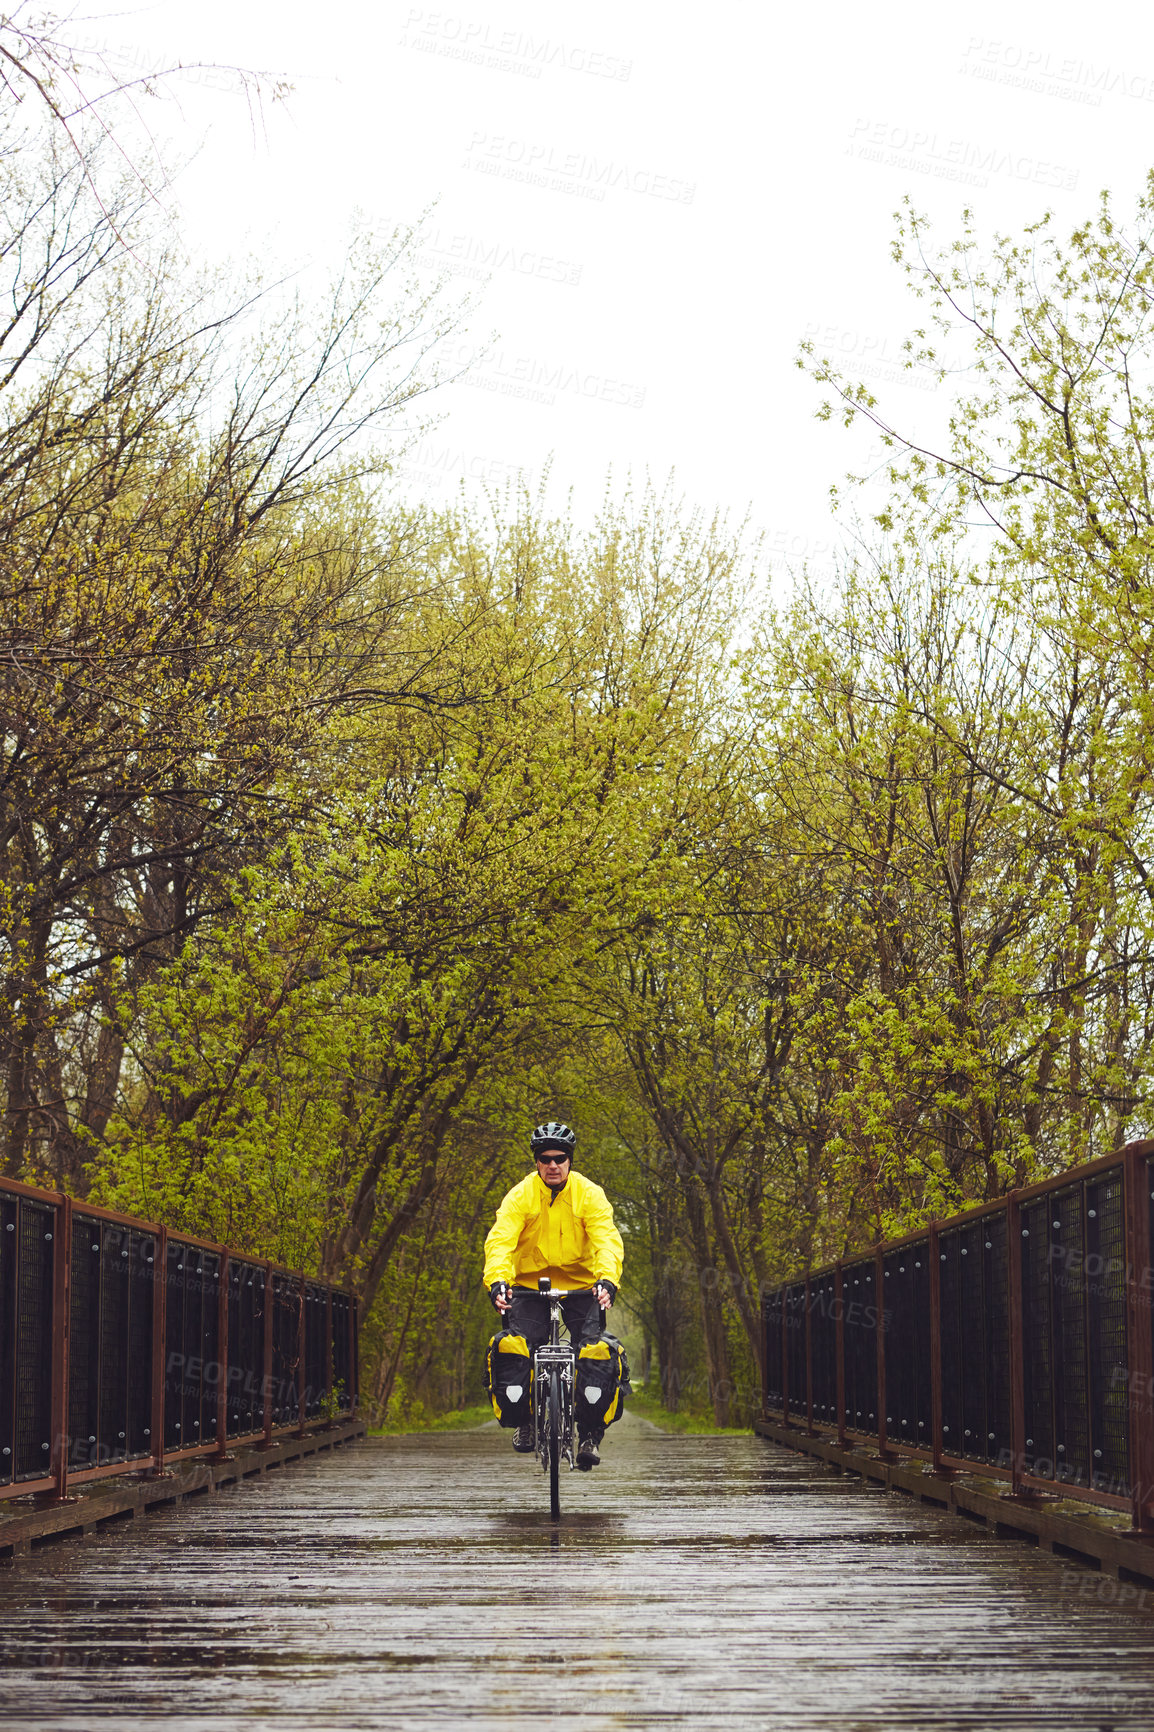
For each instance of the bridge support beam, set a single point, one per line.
(1098, 1538)
(26, 1522)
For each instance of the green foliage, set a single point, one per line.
(650, 1408)
(414, 1417)
(344, 841)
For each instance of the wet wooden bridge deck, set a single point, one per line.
(693, 1582)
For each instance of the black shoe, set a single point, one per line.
(523, 1440)
(588, 1454)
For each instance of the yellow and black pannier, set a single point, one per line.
(509, 1378)
(602, 1382)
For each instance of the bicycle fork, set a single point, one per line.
(547, 1359)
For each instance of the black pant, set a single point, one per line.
(528, 1315)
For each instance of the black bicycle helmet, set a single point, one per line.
(554, 1135)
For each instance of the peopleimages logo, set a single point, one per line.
(536, 379)
(474, 256)
(1039, 69)
(472, 40)
(954, 159)
(441, 464)
(571, 172)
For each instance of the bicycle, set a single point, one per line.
(554, 1374)
(555, 1369)
(553, 1387)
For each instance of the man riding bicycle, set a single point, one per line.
(557, 1223)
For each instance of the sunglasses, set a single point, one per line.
(551, 1160)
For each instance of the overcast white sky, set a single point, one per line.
(656, 204)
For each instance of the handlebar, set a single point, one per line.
(552, 1292)
(543, 1292)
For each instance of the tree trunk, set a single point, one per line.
(668, 1334)
(25, 1007)
(723, 1233)
(712, 1316)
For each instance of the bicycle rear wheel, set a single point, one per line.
(555, 1443)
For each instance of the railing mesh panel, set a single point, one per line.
(115, 1290)
(971, 1257)
(1037, 1337)
(286, 1321)
(246, 1307)
(996, 1308)
(1146, 1276)
(317, 1363)
(823, 1348)
(1076, 1295)
(139, 1335)
(110, 1343)
(343, 1379)
(142, 1249)
(1074, 1334)
(771, 1311)
(860, 1312)
(34, 1310)
(192, 1373)
(201, 1391)
(953, 1334)
(1106, 1333)
(795, 1350)
(906, 1326)
(975, 1342)
(9, 1263)
(1067, 1254)
(177, 1302)
(84, 1345)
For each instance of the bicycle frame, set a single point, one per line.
(557, 1355)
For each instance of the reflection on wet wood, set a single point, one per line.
(692, 1582)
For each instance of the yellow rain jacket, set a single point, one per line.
(568, 1235)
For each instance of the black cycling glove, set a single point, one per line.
(498, 1290)
(610, 1288)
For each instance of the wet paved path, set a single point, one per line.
(694, 1582)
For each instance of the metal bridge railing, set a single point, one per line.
(123, 1346)
(1016, 1338)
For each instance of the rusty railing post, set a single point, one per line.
(1139, 1336)
(839, 1338)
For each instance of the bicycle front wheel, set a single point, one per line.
(555, 1443)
